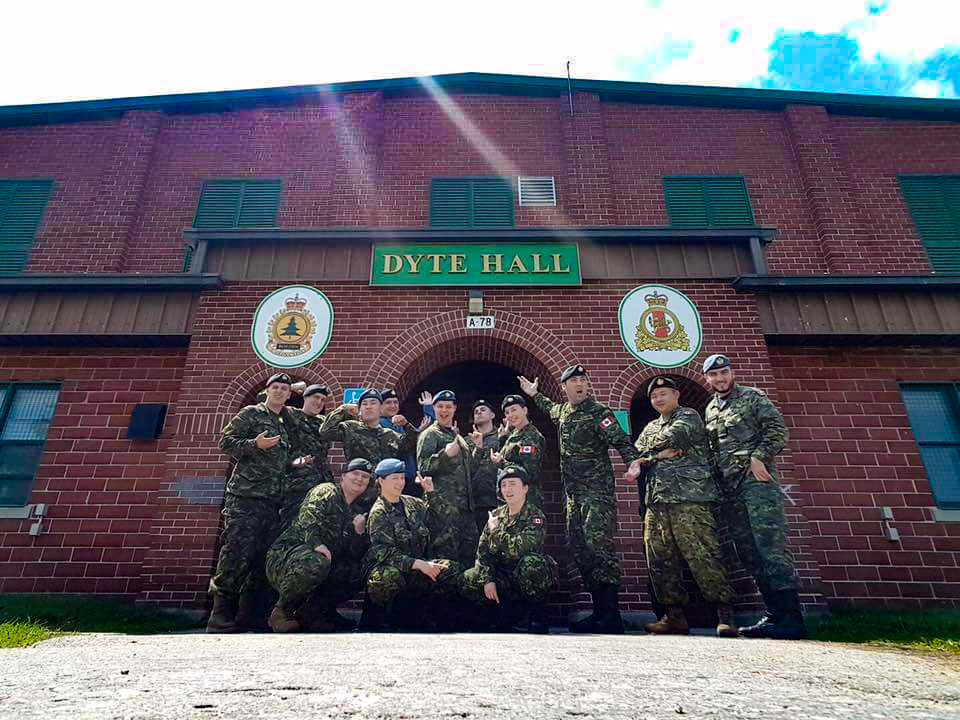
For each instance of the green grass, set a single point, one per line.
(932, 630)
(25, 619)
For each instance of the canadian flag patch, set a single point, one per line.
(538, 521)
(607, 422)
(527, 449)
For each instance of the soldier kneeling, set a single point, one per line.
(400, 581)
(512, 575)
(316, 563)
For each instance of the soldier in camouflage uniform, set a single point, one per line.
(746, 433)
(399, 577)
(444, 455)
(587, 430)
(312, 467)
(366, 438)
(522, 445)
(679, 524)
(484, 480)
(512, 570)
(258, 440)
(316, 563)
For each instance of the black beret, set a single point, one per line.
(387, 394)
(314, 389)
(512, 471)
(369, 393)
(444, 395)
(661, 381)
(716, 362)
(572, 371)
(483, 403)
(389, 466)
(280, 378)
(360, 464)
(513, 400)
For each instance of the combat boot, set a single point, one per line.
(673, 622)
(339, 622)
(539, 619)
(222, 615)
(726, 626)
(282, 619)
(252, 612)
(609, 621)
(588, 624)
(374, 617)
(771, 615)
(789, 622)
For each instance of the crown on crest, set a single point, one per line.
(656, 299)
(295, 303)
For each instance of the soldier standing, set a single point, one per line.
(315, 564)
(313, 465)
(512, 570)
(746, 434)
(522, 445)
(485, 471)
(679, 524)
(258, 440)
(587, 430)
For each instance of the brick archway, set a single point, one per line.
(423, 342)
(254, 376)
(634, 377)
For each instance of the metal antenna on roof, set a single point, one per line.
(569, 87)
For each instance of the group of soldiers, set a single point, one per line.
(444, 530)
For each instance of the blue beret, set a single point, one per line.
(513, 400)
(445, 395)
(572, 371)
(360, 464)
(369, 393)
(483, 403)
(389, 467)
(387, 394)
(716, 362)
(280, 378)
(512, 471)
(314, 389)
(661, 381)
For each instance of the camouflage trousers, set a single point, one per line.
(386, 583)
(299, 574)
(591, 525)
(673, 533)
(250, 525)
(453, 533)
(531, 580)
(754, 514)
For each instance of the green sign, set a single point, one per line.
(476, 264)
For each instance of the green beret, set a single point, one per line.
(716, 362)
(387, 395)
(445, 395)
(389, 466)
(661, 381)
(572, 371)
(360, 464)
(369, 393)
(315, 389)
(512, 471)
(280, 378)
(513, 400)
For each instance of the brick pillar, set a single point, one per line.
(587, 184)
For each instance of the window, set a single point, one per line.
(934, 412)
(22, 204)
(934, 202)
(471, 202)
(238, 204)
(25, 415)
(705, 201)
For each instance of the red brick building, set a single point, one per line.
(816, 235)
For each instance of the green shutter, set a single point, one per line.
(238, 204)
(707, 201)
(187, 258)
(934, 202)
(22, 204)
(471, 202)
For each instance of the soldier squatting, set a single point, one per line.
(469, 553)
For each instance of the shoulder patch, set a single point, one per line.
(608, 421)
(527, 450)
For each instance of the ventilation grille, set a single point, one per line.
(537, 191)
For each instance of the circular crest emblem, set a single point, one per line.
(660, 326)
(292, 326)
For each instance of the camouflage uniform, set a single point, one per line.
(451, 510)
(484, 481)
(680, 497)
(298, 572)
(370, 443)
(524, 447)
(300, 481)
(586, 433)
(251, 508)
(399, 536)
(512, 556)
(742, 425)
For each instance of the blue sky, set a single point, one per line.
(102, 48)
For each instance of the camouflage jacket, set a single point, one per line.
(586, 433)
(501, 549)
(452, 476)
(325, 518)
(259, 473)
(524, 447)
(371, 443)
(688, 478)
(743, 425)
(398, 534)
(306, 441)
(485, 471)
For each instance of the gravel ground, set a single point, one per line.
(469, 676)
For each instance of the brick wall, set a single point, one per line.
(98, 485)
(854, 453)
